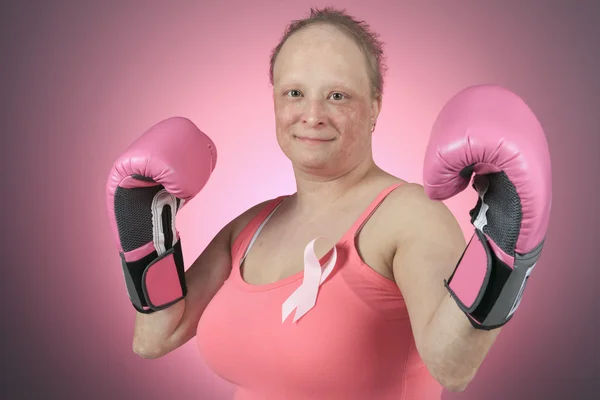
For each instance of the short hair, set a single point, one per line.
(366, 39)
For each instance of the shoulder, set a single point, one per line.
(417, 217)
(237, 225)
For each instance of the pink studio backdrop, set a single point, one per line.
(84, 79)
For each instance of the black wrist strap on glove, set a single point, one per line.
(155, 283)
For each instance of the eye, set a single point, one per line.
(293, 93)
(337, 96)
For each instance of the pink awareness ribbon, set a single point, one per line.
(305, 297)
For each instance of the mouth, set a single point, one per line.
(312, 139)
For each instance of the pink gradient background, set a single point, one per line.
(82, 81)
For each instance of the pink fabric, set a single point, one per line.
(355, 343)
(162, 281)
(493, 128)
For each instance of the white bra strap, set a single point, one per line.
(258, 232)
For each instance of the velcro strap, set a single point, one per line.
(472, 273)
(156, 282)
(161, 281)
(507, 290)
(486, 289)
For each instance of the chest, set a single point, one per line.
(277, 251)
(341, 336)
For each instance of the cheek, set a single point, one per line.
(285, 117)
(285, 114)
(352, 121)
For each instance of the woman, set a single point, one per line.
(379, 323)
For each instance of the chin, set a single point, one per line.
(310, 158)
(304, 160)
(312, 164)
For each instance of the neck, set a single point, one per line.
(313, 191)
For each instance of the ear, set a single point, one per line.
(375, 108)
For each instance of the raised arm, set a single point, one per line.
(161, 332)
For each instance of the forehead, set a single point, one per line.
(320, 51)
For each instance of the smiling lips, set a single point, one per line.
(312, 140)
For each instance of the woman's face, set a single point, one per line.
(324, 110)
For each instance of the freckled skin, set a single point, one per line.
(321, 89)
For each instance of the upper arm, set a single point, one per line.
(207, 274)
(429, 245)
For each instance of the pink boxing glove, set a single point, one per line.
(149, 183)
(491, 132)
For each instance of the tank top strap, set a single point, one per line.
(246, 236)
(366, 214)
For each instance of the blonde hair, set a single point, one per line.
(367, 40)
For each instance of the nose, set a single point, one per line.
(314, 114)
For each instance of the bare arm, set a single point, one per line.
(427, 254)
(159, 333)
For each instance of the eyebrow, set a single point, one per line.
(294, 81)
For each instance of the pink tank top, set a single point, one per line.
(355, 343)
